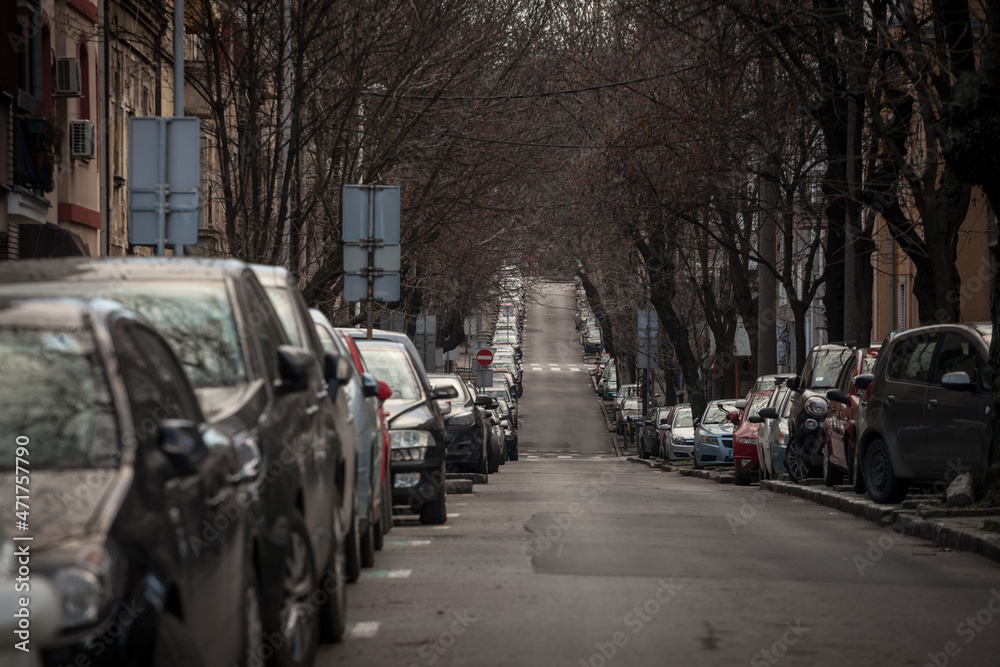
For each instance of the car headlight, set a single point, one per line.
(405, 438)
(467, 419)
(811, 424)
(706, 440)
(84, 587)
(816, 406)
(677, 440)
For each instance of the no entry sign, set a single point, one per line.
(484, 357)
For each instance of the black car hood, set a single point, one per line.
(67, 504)
(410, 413)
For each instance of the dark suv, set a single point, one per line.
(220, 323)
(466, 429)
(925, 416)
(809, 408)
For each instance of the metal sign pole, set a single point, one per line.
(371, 257)
(161, 191)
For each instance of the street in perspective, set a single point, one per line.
(478, 333)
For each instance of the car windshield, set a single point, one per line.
(389, 362)
(868, 365)
(824, 372)
(758, 403)
(197, 321)
(683, 418)
(718, 413)
(56, 396)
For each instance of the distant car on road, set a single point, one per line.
(713, 441)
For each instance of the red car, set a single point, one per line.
(745, 434)
(839, 459)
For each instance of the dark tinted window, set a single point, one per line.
(824, 368)
(264, 328)
(55, 393)
(911, 358)
(958, 354)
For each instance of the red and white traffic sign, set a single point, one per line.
(484, 357)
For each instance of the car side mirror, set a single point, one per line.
(485, 401)
(766, 413)
(181, 441)
(862, 382)
(755, 419)
(370, 385)
(384, 390)
(734, 417)
(740, 404)
(248, 458)
(664, 421)
(837, 395)
(957, 380)
(697, 422)
(648, 422)
(793, 383)
(294, 365)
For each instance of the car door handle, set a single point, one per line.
(931, 403)
(890, 399)
(312, 409)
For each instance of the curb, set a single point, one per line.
(472, 478)
(457, 486)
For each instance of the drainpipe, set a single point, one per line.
(103, 125)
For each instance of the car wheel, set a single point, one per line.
(379, 535)
(796, 461)
(386, 505)
(253, 625)
(368, 546)
(333, 613)
(857, 478)
(174, 645)
(513, 454)
(831, 476)
(353, 550)
(697, 463)
(434, 512)
(493, 462)
(297, 623)
(883, 485)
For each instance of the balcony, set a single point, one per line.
(34, 152)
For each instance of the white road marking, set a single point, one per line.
(454, 516)
(364, 630)
(564, 457)
(554, 369)
(575, 369)
(398, 574)
(442, 527)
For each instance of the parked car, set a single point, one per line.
(806, 435)
(839, 455)
(467, 434)
(416, 428)
(654, 426)
(632, 414)
(745, 463)
(502, 392)
(927, 410)
(713, 435)
(678, 442)
(607, 387)
(340, 402)
(772, 433)
(247, 376)
(123, 466)
(625, 391)
(359, 392)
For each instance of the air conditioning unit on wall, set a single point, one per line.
(81, 139)
(68, 82)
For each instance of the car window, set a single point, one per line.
(911, 359)
(57, 396)
(958, 354)
(758, 402)
(264, 328)
(825, 367)
(718, 413)
(785, 410)
(197, 321)
(391, 364)
(326, 340)
(683, 418)
(282, 304)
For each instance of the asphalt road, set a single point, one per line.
(573, 557)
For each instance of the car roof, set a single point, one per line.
(89, 269)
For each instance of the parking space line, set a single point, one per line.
(364, 630)
(398, 574)
(411, 543)
(454, 516)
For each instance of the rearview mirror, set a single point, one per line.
(958, 380)
(837, 395)
(294, 365)
(181, 441)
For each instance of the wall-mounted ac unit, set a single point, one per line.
(67, 81)
(81, 139)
